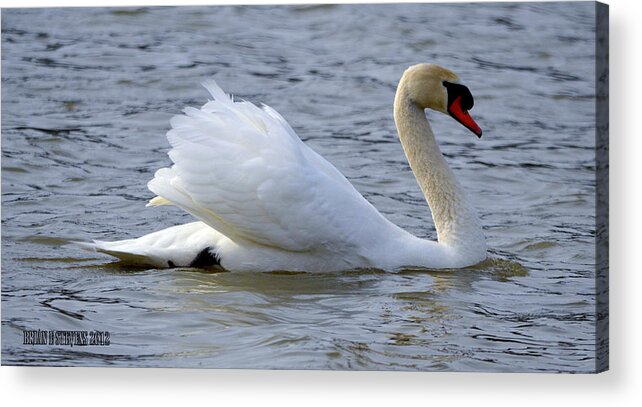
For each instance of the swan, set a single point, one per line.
(265, 201)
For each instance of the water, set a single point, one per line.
(86, 99)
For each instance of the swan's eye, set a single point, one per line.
(456, 90)
(460, 101)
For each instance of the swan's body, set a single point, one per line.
(266, 201)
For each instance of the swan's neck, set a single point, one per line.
(457, 225)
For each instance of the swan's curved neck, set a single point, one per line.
(456, 223)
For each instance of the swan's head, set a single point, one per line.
(437, 88)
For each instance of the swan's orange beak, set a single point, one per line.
(463, 117)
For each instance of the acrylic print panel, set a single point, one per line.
(87, 98)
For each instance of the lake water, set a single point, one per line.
(87, 95)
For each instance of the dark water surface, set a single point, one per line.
(86, 99)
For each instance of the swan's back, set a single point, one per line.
(243, 171)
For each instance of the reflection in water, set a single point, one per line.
(86, 99)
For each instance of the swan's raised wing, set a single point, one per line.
(242, 170)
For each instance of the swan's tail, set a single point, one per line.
(191, 245)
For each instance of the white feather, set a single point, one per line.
(177, 246)
(243, 171)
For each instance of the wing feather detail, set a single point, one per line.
(242, 170)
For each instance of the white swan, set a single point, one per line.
(266, 201)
